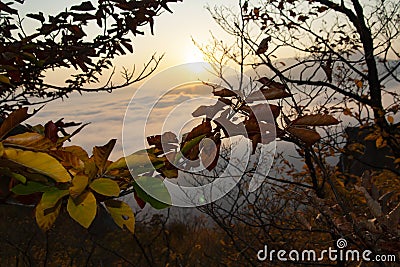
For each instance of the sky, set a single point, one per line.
(172, 37)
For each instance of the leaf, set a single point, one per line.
(101, 154)
(209, 111)
(83, 209)
(189, 145)
(224, 93)
(6, 8)
(153, 191)
(51, 197)
(105, 187)
(263, 47)
(45, 218)
(51, 131)
(19, 177)
(40, 162)
(139, 201)
(309, 137)
(121, 213)
(13, 120)
(28, 140)
(138, 162)
(4, 79)
(203, 129)
(359, 83)
(390, 119)
(315, 120)
(29, 188)
(267, 94)
(77, 151)
(85, 6)
(68, 159)
(79, 184)
(38, 16)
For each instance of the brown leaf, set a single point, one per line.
(271, 84)
(309, 137)
(28, 140)
(50, 131)
(101, 154)
(263, 47)
(203, 128)
(85, 6)
(315, 120)
(267, 94)
(224, 93)
(13, 120)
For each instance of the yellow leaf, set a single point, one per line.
(40, 162)
(105, 187)
(50, 198)
(83, 209)
(1, 149)
(379, 142)
(77, 151)
(397, 161)
(4, 79)
(390, 119)
(359, 83)
(121, 213)
(46, 217)
(79, 184)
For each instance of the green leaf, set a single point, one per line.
(19, 177)
(51, 197)
(40, 162)
(188, 146)
(153, 191)
(139, 162)
(105, 187)
(83, 209)
(121, 213)
(29, 188)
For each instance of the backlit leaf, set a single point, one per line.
(40, 162)
(309, 137)
(45, 217)
(51, 197)
(101, 154)
(122, 214)
(79, 184)
(27, 140)
(106, 187)
(153, 191)
(13, 120)
(83, 209)
(316, 120)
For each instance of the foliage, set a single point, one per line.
(64, 40)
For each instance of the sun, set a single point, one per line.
(193, 54)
